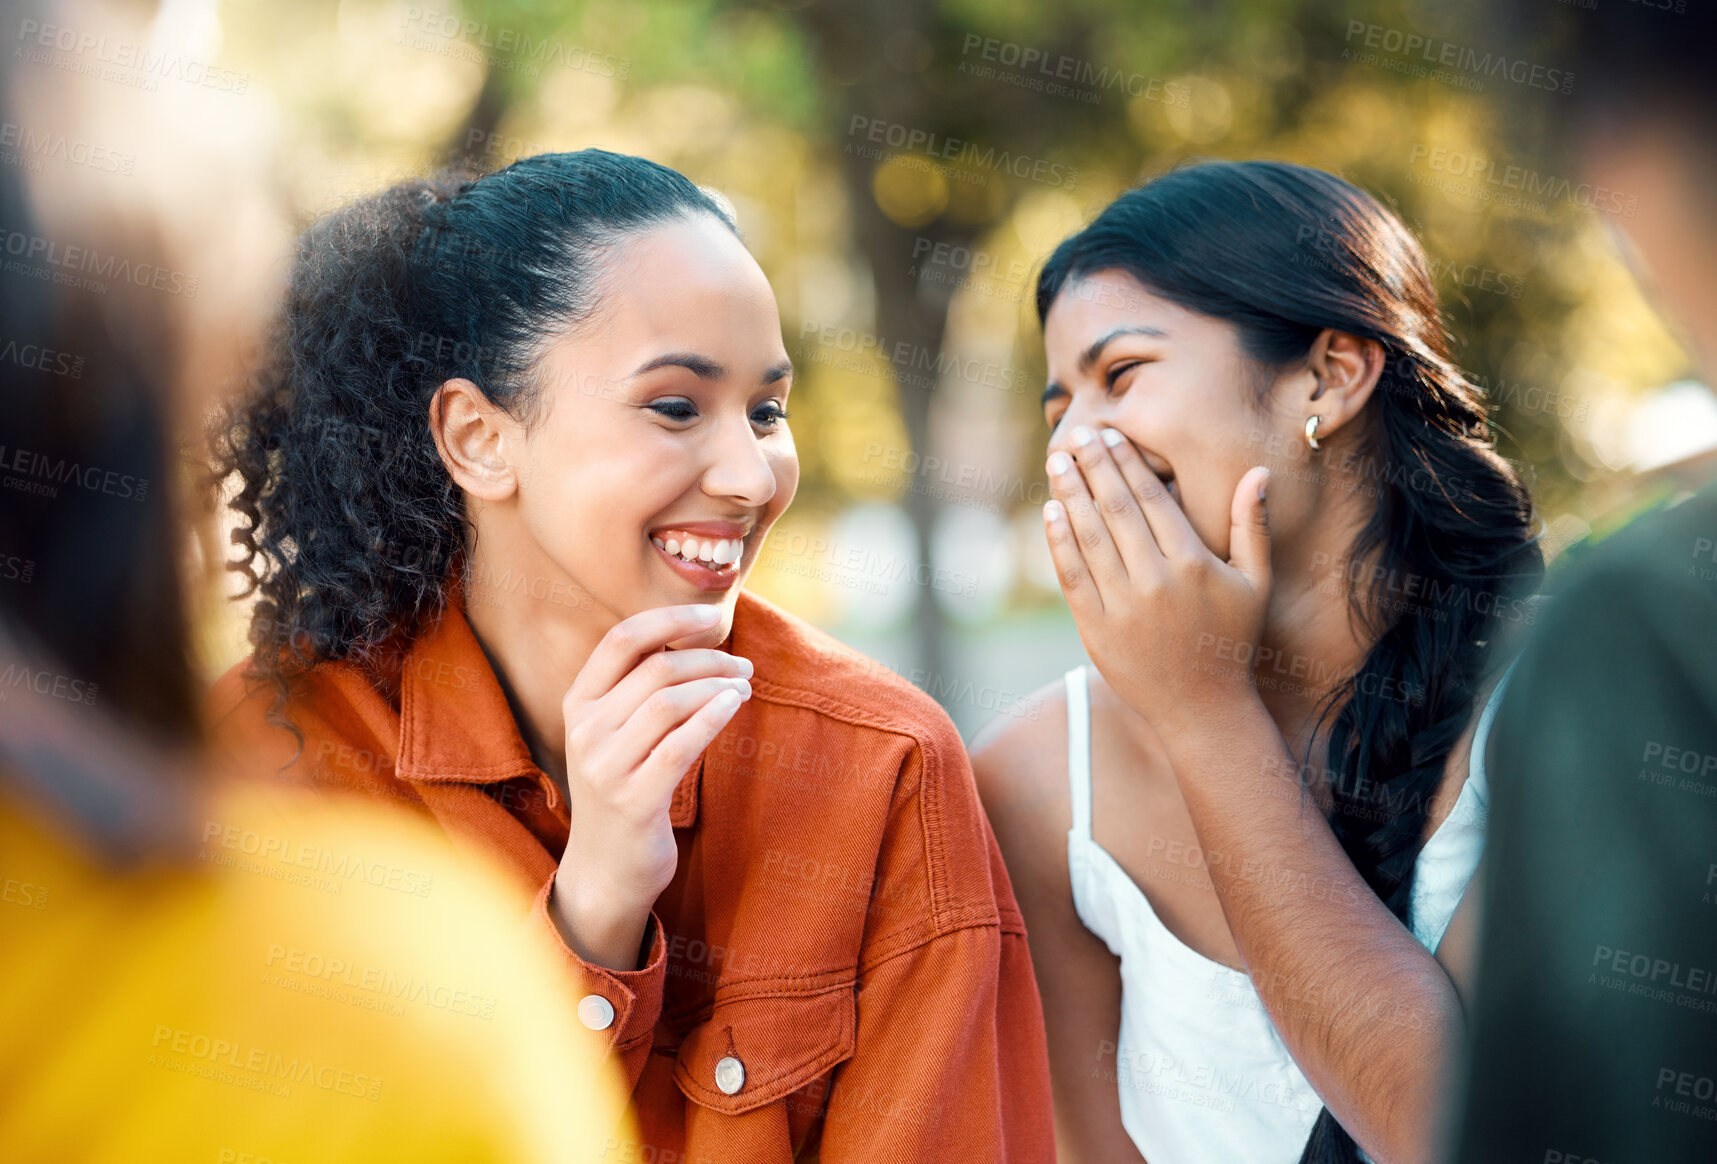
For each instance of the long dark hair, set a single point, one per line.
(352, 525)
(90, 534)
(1283, 252)
(99, 719)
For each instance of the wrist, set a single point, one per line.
(1185, 697)
(1211, 722)
(599, 927)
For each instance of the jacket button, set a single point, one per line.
(729, 1075)
(596, 1012)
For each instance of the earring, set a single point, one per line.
(1312, 430)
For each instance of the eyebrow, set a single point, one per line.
(1096, 349)
(702, 367)
(705, 368)
(1089, 357)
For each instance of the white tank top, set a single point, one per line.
(1203, 1076)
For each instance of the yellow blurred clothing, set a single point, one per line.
(305, 984)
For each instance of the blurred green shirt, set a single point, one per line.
(1593, 1027)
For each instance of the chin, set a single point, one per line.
(710, 638)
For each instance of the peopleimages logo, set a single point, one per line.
(1478, 176)
(30, 472)
(1059, 75)
(939, 147)
(508, 48)
(913, 364)
(257, 1068)
(38, 358)
(23, 143)
(64, 263)
(86, 52)
(1435, 51)
(45, 682)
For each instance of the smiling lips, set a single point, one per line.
(706, 554)
(719, 552)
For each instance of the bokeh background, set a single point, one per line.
(899, 169)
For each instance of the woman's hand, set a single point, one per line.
(637, 718)
(1170, 626)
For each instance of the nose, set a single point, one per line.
(738, 470)
(1079, 412)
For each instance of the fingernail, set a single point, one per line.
(1112, 437)
(742, 687)
(728, 700)
(1060, 462)
(1263, 484)
(706, 613)
(1052, 510)
(1082, 436)
(746, 665)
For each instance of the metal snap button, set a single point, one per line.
(729, 1075)
(596, 1012)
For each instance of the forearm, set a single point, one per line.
(599, 930)
(1366, 1011)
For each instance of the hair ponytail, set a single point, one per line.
(322, 435)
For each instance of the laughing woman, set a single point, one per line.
(515, 448)
(1243, 841)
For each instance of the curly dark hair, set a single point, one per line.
(1283, 252)
(353, 527)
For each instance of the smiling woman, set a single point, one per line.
(516, 445)
(1247, 836)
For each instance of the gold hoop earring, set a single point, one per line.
(1312, 430)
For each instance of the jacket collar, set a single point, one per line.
(456, 727)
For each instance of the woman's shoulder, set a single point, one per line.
(245, 688)
(799, 665)
(257, 722)
(1022, 766)
(1020, 763)
(889, 767)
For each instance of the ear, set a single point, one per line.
(1345, 370)
(475, 437)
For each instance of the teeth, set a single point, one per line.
(715, 552)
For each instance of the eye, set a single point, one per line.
(675, 409)
(1055, 402)
(1115, 373)
(769, 414)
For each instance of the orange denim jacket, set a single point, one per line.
(840, 937)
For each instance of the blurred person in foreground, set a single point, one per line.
(189, 972)
(1594, 1026)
